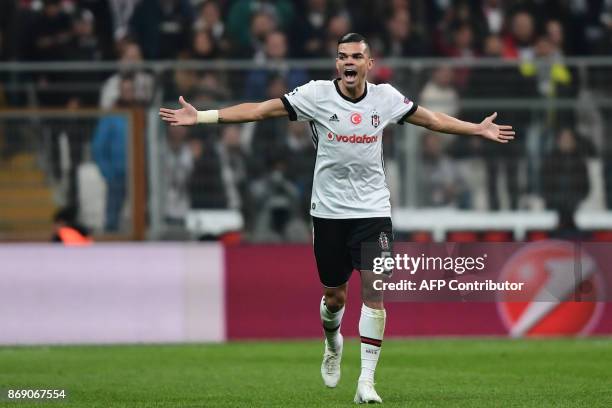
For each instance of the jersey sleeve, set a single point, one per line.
(401, 106)
(301, 103)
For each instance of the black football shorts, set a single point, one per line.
(340, 246)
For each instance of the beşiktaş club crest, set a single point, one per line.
(375, 119)
(383, 241)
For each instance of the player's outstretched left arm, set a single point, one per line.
(441, 122)
(244, 112)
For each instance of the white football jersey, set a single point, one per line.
(349, 175)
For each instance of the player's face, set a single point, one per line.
(353, 64)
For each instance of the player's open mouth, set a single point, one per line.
(350, 75)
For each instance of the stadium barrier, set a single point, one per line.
(134, 293)
(111, 293)
(440, 222)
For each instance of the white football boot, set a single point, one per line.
(366, 393)
(330, 367)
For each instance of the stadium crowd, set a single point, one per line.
(265, 169)
(44, 30)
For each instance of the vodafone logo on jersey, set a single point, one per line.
(351, 138)
(355, 118)
(564, 286)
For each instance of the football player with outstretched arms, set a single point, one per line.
(350, 203)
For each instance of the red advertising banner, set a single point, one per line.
(273, 291)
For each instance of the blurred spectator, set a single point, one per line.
(301, 155)
(181, 82)
(461, 46)
(262, 24)
(246, 24)
(462, 42)
(211, 89)
(565, 181)
(205, 185)
(65, 151)
(143, 81)
(487, 83)
(498, 82)
(275, 54)
(67, 230)
(440, 95)
(439, 16)
(439, 180)
(178, 164)
(269, 136)
(103, 28)
(85, 45)
(210, 20)
(91, 187)
(493, 14)
(218, 179)
(556, 36)
(454, 16)
(580, 21)
(401, 39)
(277, 206)
(203, 46)
(367, 16)
(400, 5)
(122, 11)
(308, 33)
(553, 76)
(203, 88)
(109, 150)
(51, 33)
(46, 35)
(439, 92)
(554, 80)
(162, 28)
(337, 26)
(519, 43)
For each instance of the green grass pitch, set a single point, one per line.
(412, 373)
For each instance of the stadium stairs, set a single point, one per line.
(26, 201)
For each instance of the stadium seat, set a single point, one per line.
(537, 235)
(462, 236)
(498, 236)
(601, 236)
(421, 236)
(231, 238)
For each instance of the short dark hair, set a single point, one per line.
(354, 38)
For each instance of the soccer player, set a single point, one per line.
(350, 203)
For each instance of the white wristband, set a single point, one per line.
(208, 116)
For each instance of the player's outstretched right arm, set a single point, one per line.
(244, 112)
